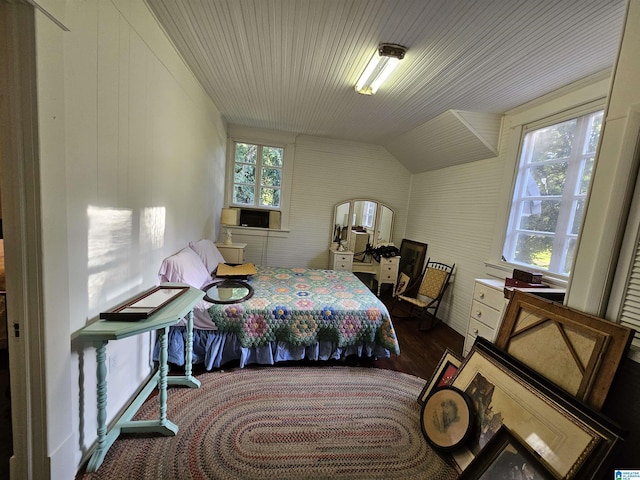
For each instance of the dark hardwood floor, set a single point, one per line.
(420, 350)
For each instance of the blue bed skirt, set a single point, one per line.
(214, 349)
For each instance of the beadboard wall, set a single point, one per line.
(327, 172)
(453, 210)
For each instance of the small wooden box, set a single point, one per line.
(527, 276)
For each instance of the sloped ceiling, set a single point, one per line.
(291, 65)
(452, 138)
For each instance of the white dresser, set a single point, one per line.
(387, 271)
(487, 308)
(340, 260)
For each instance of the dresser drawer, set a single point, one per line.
(389, 261)
(341, 261)
(342, 266)
(478, 328)
(489, 296)
(388, 269)
(343, 258)
(485, 314)
(387, 276)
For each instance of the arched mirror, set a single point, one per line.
(361, 222)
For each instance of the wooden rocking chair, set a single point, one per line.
(434, 282)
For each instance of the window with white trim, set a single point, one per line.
(553, 179)
(368, 214)
(257, 175)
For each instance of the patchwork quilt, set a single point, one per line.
(303, 306)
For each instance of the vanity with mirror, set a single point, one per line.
(359, 223)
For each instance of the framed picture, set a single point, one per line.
(505, 456)
(573, 439)
(447, 418)
(145, 305)
(578, 352)
(412, 257)
(443, 374)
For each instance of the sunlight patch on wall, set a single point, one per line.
(152, 225)
(109, 247)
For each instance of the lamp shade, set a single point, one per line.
(230, 216)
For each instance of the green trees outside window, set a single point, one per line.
(257, 175)
(554, 174)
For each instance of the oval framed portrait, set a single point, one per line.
(447, 418)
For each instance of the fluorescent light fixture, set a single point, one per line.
(384, 61)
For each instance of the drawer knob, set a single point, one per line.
(475, 331)
(481, 295)
(479, 313)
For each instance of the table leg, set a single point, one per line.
(101, 382)
(162, 426)
(187, 380)
(162, 379)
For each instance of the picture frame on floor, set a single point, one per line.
(507, 456)
(578, 352)
(447, 418)
(573, 439)
(443, 374)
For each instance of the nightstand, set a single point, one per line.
(232, 253)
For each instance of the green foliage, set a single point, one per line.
(245, 174)
(549, 151)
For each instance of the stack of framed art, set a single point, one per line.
(522, 424)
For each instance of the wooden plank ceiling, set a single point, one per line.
(292, 64)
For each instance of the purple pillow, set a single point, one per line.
(184, 267)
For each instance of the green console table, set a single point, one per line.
(100, 332)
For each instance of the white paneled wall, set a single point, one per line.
(132, 156)
(453, 210)
(328, 172)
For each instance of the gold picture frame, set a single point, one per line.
(578, 352)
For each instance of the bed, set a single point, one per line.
(293, 314)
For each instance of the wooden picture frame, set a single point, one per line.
(442, 375)
(573, 439)
(447, 418)
(578, 352)
(412, 257)
(506, 456)
(146, 304)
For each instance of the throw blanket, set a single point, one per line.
(302, 306)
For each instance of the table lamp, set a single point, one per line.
(229, 217)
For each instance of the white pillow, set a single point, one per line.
(184, 267)
(208, 252)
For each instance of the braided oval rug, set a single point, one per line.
(284, 423)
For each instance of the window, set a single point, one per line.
(368, 214)
(257, 175)
(554, 173)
